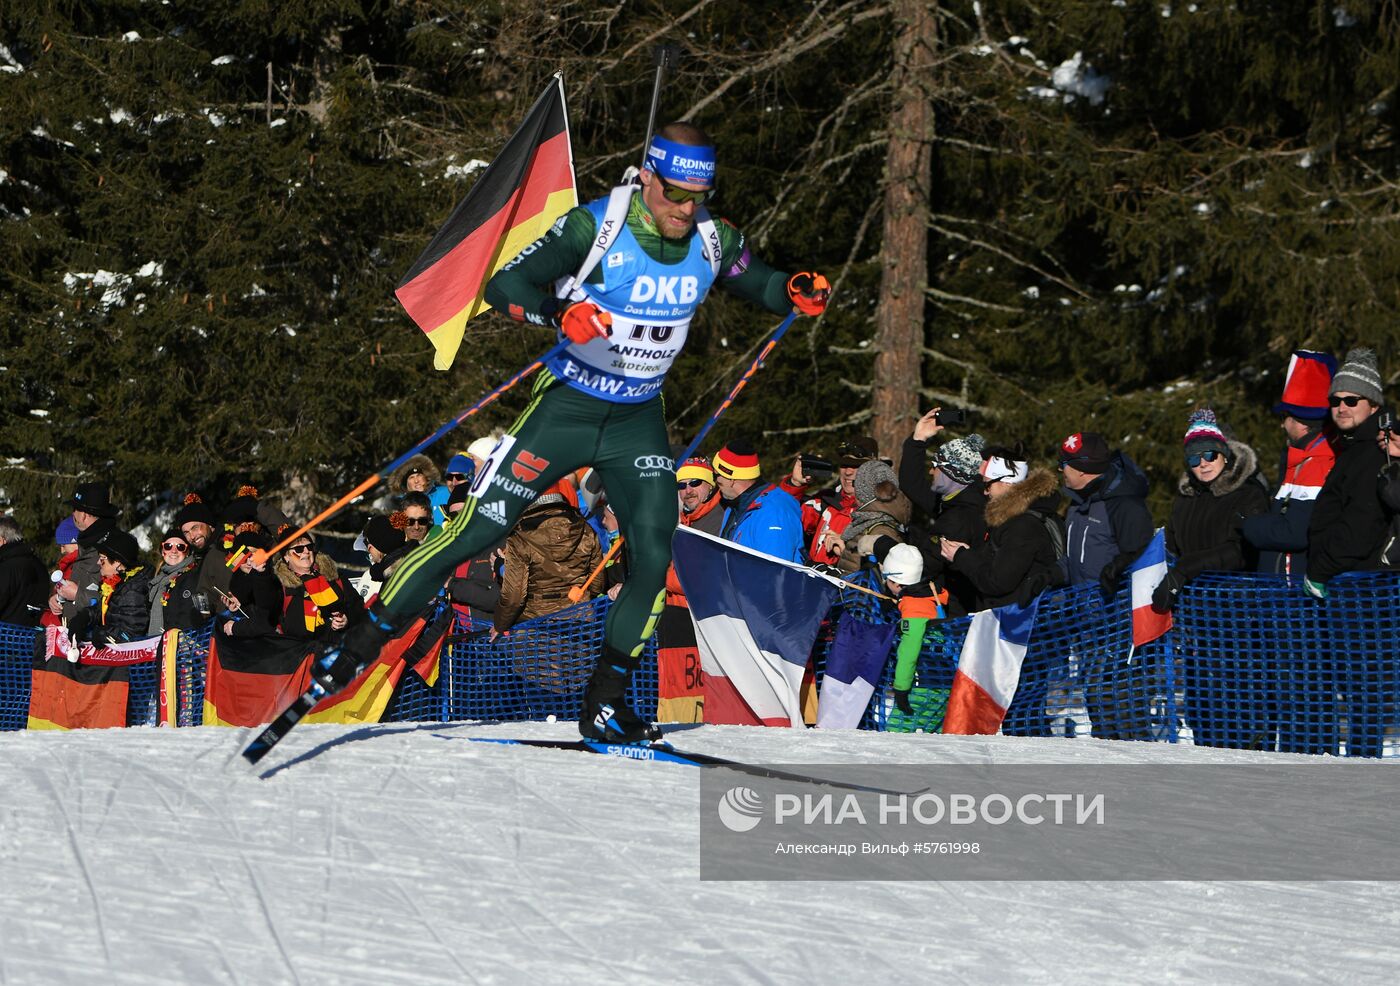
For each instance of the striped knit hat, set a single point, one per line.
(737, 460)
(696, 467)
(1204, 433)
(1359, 376)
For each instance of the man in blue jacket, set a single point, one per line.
(758, 515)
(1107, 526)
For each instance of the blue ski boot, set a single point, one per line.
(606, 717)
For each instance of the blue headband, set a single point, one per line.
(681, 162)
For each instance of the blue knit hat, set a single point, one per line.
(67, 532)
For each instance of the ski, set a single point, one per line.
(663, 752)
(277, 730)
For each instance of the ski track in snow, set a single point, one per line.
(403, 854)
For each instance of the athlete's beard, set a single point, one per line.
(667, 233)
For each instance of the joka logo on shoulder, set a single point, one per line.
(741, 809)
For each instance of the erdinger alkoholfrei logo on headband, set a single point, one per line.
(682, 162)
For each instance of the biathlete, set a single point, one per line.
(620, 278)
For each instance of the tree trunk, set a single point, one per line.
(899, 317)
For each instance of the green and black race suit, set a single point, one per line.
(569, 425)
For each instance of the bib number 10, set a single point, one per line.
(657, 333)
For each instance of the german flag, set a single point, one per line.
(526, 188)
(251, 679)
(66, 695)
(90, 693)
(366, 698)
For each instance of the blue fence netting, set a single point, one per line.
(1251, 663)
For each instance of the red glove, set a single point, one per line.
(809, 292)
(584, 321)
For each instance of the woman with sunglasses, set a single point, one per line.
(174, 580)
(1225, 699)
(315, 599)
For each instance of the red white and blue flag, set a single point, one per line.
(1146, 574)
(858, 655)
(756, 619)
(989, 669)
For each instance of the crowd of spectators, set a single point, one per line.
(954, 525)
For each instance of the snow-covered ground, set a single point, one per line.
(402, 853)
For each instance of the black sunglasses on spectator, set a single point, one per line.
(299, 549)
(418, 522)
(455, 477)
(1351, 400)
(688, 484)
(1196, 458)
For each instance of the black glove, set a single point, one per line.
(901, 702)
(1112, 572)
(1164, 596)
(78, 625)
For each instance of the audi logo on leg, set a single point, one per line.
(645, 462)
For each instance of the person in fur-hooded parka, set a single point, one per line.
(1214, 495)
(1019, 556)
(315, 600)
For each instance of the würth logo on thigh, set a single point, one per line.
(528, 466)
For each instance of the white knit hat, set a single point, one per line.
(903, 564)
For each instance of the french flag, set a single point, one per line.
(989, 669)
(756, 619)
(858, 655)
(1147, 573)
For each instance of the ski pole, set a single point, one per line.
(664, 57)
(743, 381)
(261, 556)
(576, 593)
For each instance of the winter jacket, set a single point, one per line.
(1388, 487)
(957, 516)
(293, 618)
(1349, 526)
(551, 550)
(260, 601)
(1018, 544)
(828, 511)
(214, 573)
(881, 511)
(474, 588)
(708, 517)
(24, 585)
(1281, 535)
(1107, 521)
(1203, 531)
(765, 519)
(125, 614)
(86, 573)
(171, 598)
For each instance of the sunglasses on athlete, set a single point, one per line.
(674, 193)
